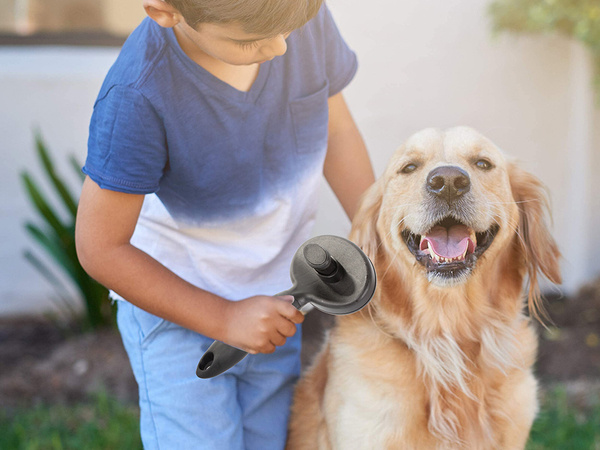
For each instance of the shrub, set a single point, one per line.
(56, 236)
(579, 20)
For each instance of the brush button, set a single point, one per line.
(319, 259)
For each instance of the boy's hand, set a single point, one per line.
(261, 323)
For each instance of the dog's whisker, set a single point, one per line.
(390, 265)
(370, 309)
(395, 206)
(392, 262)
(531, 200)
(392, 230)
(517, 232)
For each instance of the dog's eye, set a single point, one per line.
(408, 168)
(483, 164)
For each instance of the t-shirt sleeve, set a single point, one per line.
(126, 146)
(340, 61)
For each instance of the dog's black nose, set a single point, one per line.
(448, 182)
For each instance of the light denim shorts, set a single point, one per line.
(245, 408)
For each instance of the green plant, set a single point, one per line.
(578, 19)
(96, 424)
(561, 424)
(56, 236)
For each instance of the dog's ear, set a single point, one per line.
(538, 247)
(364, 225)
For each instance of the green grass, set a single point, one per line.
(105, 424)
(101, 423)
(560, 425)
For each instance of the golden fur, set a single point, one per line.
(436, 361)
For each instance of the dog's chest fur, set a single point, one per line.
(365, 417)
(386, 394)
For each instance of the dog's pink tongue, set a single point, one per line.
(449, 242)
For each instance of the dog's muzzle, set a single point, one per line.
(450, 247)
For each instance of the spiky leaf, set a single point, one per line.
(60, 187)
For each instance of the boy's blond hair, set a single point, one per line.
(265, 17)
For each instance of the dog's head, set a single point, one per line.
(450, 208)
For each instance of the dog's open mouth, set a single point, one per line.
(450, 248)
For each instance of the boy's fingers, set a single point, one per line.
(287, 329)
(288, 311)
(293, 315)
(270, 348)
(278, 340)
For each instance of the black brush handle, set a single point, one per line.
(220, 357)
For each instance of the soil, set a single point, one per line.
(40, 362)
(570, 345)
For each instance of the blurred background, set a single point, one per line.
(525, 73)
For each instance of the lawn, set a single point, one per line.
(560, 425)
(101, 423)
(104, 423)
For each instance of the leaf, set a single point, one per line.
(58, 184)
(77, 166)
(42, 205)
(62, 300)
(54, 248)
(57, 238)
(576, 19)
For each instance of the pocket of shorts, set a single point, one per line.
(310, 117)
(149, 324)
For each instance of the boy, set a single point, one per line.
(206, 148)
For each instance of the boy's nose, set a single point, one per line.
(275, 46)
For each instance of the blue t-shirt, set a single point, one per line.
(229, 173)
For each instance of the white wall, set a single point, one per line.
(422, 64)
(52, 89)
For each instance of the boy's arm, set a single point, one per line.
(347, 167)
(105, 223)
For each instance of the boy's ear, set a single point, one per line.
(162, 13)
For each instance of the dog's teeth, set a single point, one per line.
(433, 255)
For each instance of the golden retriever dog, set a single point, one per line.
(442, 356)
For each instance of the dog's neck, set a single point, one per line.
(412, 309)
(450, 332)
(454, 338)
